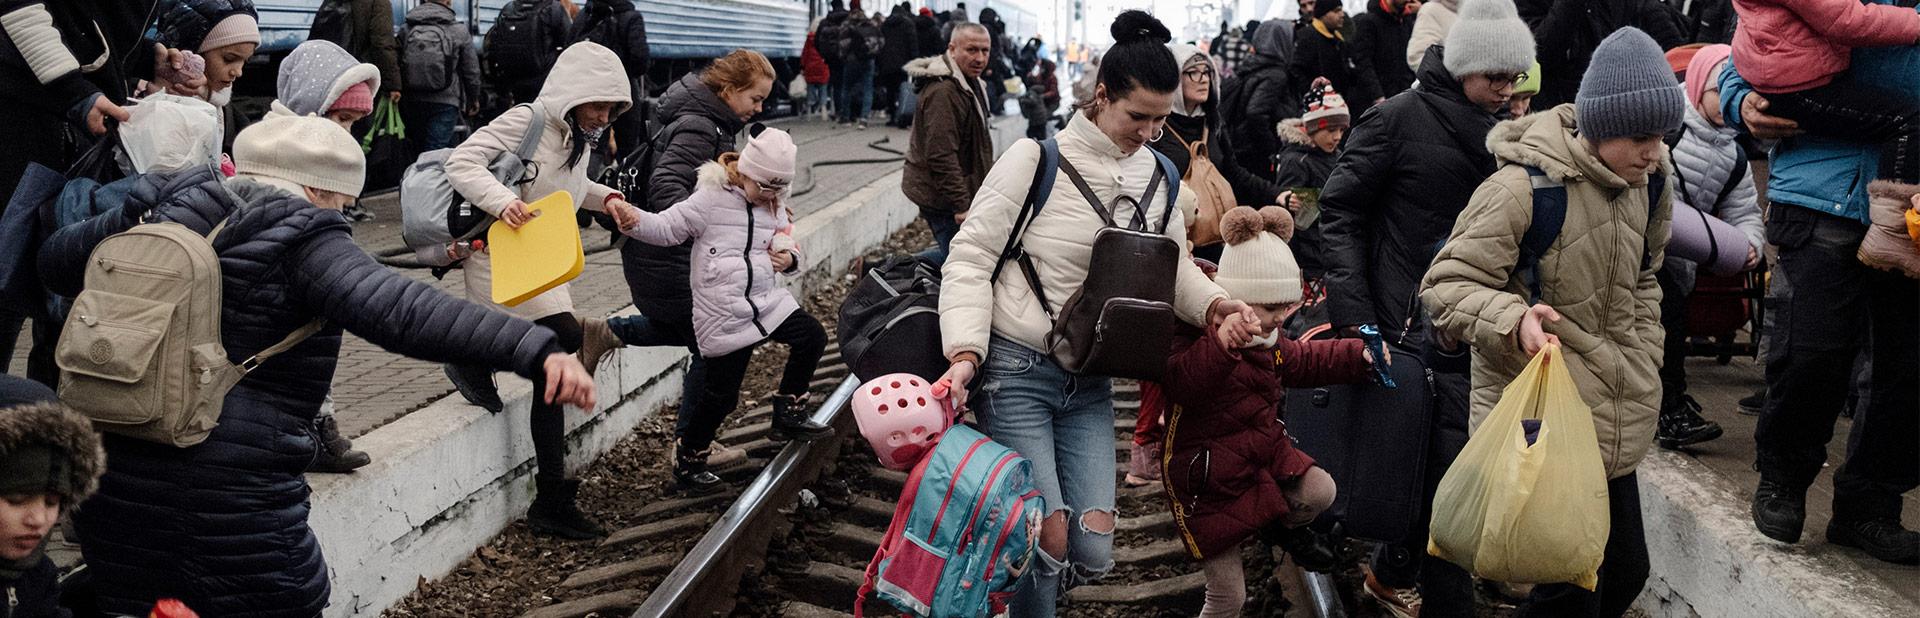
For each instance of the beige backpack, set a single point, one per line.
(141, 352)
(1210, 190)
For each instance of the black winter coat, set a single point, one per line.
(1379, 54)
(615, 25)
(1314, 56)
(1248, 187)
(86, 29)
(1259, 96)
(1301, 164)
(899, 43)
(1712, 21)
(222, 525)
(1567, 32)
(926, 33)
(827, 37)
(1403, 176)
(36, 593)
(696, 127)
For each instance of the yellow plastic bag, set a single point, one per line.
(539, 256)
(1521, 513)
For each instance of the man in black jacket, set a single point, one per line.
(1379, 52)
(1407, 170)
(1259, 96)
(1321, 51)
(899, 41)
(615, 25)
(1569, 30)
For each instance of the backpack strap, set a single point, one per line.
(1549, 215)
(1733, 179)
(1656, 185)
(292, 339)
(1037, 193)
(1168, 170)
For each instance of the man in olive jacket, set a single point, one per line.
(950, 149)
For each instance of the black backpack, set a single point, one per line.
(426, 59)
(333, 22)
(890, 321)
(515, 49)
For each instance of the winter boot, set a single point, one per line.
(1310, 550)
(790, 420)
(1887, 245)
(555, 514)
(1883, 538)
(1681, 425)
(476, 385)
(1779, 512)
(690, 475)
(336, 454)
(1143, 465)
(1751, 405)
(596, 341)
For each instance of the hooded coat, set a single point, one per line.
(1260, 96)
(1186, 127)
(1430, 29)
(926, 33)
(1227, 453)
(737, 301)
(1406, 171)
(464, 63)
(32, 416)
(696, 127)
(1593, 275)
(1567, 31)
(950, 148)
(222, 525)
(1302, 164)
(1379, 54)
(813, 66)
(589, 74)
(316, 74)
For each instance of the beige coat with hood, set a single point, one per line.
(1609, 306)
(585, 73)
(1060, 241)
(1430, 28)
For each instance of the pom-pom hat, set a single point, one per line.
(1256, 266)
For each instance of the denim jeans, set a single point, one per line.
(1063, 423)
(817, 97)
(856, 92)
(944, 228)
(430, 123)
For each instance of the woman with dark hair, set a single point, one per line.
(1061, 421)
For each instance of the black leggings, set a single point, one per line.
(806, 341)
(549, 421)
(1623, 570)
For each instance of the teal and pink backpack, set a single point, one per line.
(963, 531)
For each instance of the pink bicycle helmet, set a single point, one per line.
(900, 417)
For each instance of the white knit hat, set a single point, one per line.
(307, 150)
(768, 156)
(1257, 267)
(1488, 37)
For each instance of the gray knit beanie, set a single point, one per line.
(1488, 37)
(1629, 89)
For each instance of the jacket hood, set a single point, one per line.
(318, 72)
(1184, 53)
(690, 96)
(1550, 141)
(926, 70)
(430, 14)
(1293, 131)
(586, 72)
(76, 453)
(1274, 41)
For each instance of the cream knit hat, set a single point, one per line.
(1257, 267)
(306, 150)
(768, 156)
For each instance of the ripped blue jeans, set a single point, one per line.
(1063, 423)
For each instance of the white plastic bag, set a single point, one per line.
(169, 133)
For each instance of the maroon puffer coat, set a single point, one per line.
(1227, 452)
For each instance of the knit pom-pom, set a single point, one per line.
(1240, 224)
(1277, 221)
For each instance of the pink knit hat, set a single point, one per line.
(1703, 72)
(769, 157)
(357, 98)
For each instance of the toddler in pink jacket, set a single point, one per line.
(1795, 52)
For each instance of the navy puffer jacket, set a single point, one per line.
(696, 127)
(222, 525)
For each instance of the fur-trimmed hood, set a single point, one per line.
(1294, 131)
(1900, 193)
(712, 175)
(70, 435)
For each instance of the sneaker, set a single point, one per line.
(336, 455)
(1883, 538)
(1681, 425)
(596, 341)
(476, 385)
(862, 125)
(1751, 405)
(1143, 465)
(1401, 602)
(555, 514)
(1779, 512)
(356, 212)
(1886, 245)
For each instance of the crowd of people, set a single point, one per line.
(1379, 175)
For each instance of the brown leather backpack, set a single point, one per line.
(1212, 194)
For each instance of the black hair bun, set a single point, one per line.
(1137, 26)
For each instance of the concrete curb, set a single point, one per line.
(448, 477)
(1707, 560)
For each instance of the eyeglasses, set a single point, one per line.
(1503, 80)
(779, 189)
(1198, 74)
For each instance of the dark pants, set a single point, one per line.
(45, 334)
(1854, 112)
(836, 85)
(856, 91)
(31, 136)
(806, 341)
(1823, 300)
(430, 125)
(549, 421)
(944, 228)
(1673, 316)
(642, 331)
(1623, 570)
(1446, 589)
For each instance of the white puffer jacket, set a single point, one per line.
(1702, 161)
(1060, 241)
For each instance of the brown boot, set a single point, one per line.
(596, 340)
(1886, 245)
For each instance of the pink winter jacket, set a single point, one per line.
(1793, 45)
(736, 301)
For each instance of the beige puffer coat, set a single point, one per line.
(1609, 306)
(585, 73)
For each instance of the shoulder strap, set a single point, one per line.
(292, 339)
(1168, 171)
(1656, 185)
(1733, 178)
(1549, 215)
(1087, 193)
(1037, 193)
(530, 141)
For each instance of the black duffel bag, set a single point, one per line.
(890, 321)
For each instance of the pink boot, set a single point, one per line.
(1143, 465)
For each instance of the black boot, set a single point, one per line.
(1882, 537)
(1310, 550)
(790, 420)
(336, 451)
(690, 475)
(476, 385)
(1779, 511)
(554, 513)
(1750, 405)
(1681, 425)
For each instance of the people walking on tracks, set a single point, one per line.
(1203, 153)
(50, 461)
(442, 74)
(1405, 174)
(1063, 422)
(742, 233)
(1260, 96)
(1605, 157)
(222, 525)
(587, 91)
(1231, 470)
(951, 146)
(699, 117)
